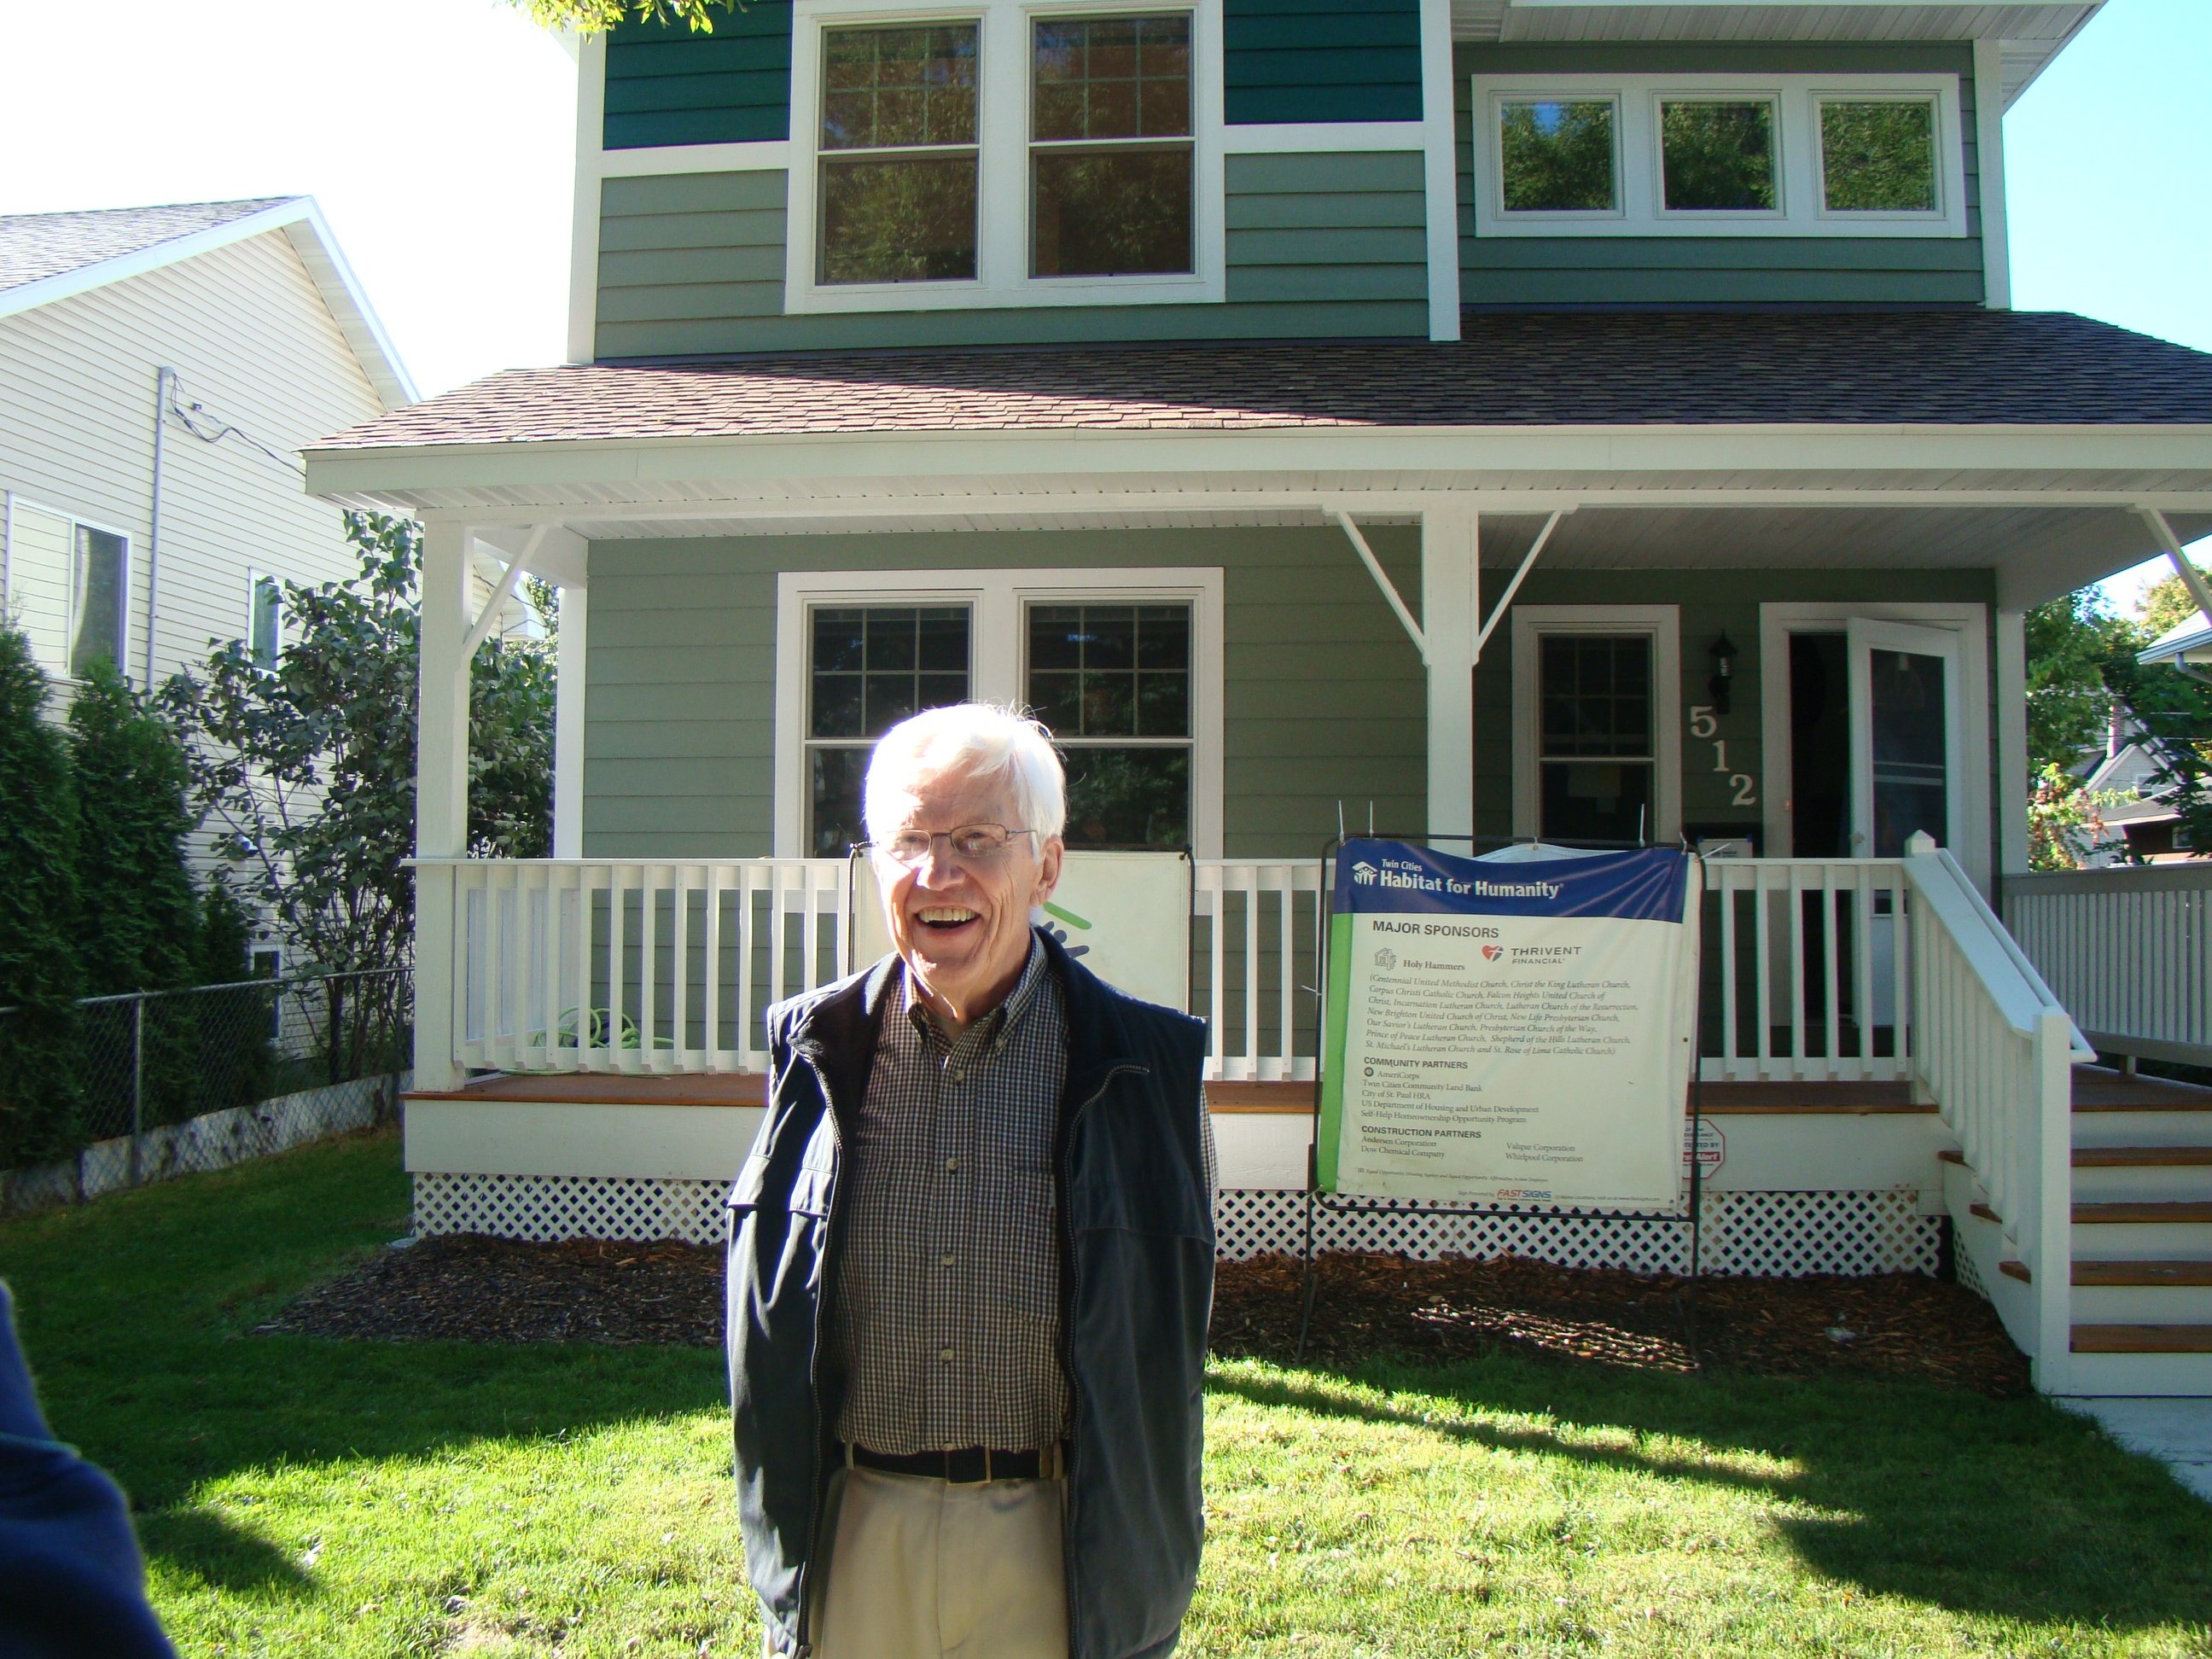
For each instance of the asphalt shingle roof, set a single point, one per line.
(1526, 369)
(37, 245)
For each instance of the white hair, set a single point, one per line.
(981, 740)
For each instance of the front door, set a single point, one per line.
(1906, 743)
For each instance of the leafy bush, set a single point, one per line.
(40, 1053)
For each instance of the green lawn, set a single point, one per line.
(351, 1499)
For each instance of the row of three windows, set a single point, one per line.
(1110, 166)
(1829, 155)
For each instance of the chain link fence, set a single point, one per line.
(176, 1082)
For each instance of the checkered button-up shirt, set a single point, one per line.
(946, 1320)
(946, 1317)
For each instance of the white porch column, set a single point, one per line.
(441, 793)
(568, 724)
(2012, 742)
(1451, 614)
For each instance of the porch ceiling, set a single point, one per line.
(2035, 551)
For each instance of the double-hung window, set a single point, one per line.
(898, 181)
(1596, 752)
(1010, 156)
(264, 621)
(868, 667)
(100, 574)
(1110, 162)
(1113, 682)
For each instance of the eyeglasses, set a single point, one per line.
(975, 843)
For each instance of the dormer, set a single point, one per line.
(826, 173)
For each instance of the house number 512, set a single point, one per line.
(1743, 789)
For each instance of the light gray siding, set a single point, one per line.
(1316, 246)
(1325, 695)
(1515, 271)
(248, 333)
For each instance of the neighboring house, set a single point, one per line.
(1493, 418)
(161, 369)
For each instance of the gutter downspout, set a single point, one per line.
(163, 377)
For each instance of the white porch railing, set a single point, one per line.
(2129, 952)
(641, 966)
(1995, 1051)
(1806, 966)
(635, 966)
(1255, 944)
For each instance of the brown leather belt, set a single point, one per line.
(967, 1465)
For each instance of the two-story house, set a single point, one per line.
(1480, 418)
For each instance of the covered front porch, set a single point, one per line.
(1447, 623)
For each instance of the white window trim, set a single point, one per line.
(1637, 160)
(14, 504)
(995, 667)
(1661, 624)
(1969, 620)
(1003, 148)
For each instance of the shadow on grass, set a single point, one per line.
(201, 1543)
(137, 1314)
(2012, 1509)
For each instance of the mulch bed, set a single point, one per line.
(464, 1287)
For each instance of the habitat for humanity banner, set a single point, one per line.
(1513, 1029)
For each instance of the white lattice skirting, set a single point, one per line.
(1788, 1234)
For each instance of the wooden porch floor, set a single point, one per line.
(2095, 1091)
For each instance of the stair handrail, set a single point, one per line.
(2003, 968)
(2012, 1113)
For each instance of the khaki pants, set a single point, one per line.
(923, 1569)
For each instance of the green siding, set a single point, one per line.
(1321, 60)
(1316, 246)
(1687, 270)
(666, 84)
(1325, 695)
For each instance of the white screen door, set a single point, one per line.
(1906, 736)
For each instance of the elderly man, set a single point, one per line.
(971, 1257)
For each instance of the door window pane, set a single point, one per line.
(1596, 768)
(868, 668)
(96, 598)
(1718, 156)
(1107, 197)
(898, 166)
(1556, 156)
(1878, 156)
(1911, 784)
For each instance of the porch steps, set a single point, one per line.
(2142, 1274)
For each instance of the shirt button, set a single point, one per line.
(945, 1354)
(952, 1164)
(960, 1077)
(945, 1260)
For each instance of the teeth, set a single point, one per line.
(946, 913)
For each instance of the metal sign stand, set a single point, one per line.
(1686, 1296)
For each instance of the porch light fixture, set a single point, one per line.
(1724, 654)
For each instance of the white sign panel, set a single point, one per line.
(1508, 1032)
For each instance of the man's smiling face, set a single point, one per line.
(963, 926)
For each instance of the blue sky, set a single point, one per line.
(438, 136)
